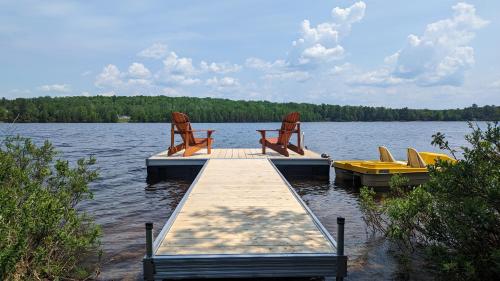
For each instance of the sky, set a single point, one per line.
(417, 54)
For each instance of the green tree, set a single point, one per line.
(455, 217)
(158, 108)
(42, 235)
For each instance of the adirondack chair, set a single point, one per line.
(182, 126)
(290, 125)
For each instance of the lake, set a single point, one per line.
(122, 204)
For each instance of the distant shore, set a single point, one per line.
(156, 109)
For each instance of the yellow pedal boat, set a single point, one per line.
(377, 173)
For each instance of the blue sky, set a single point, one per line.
(420, 54)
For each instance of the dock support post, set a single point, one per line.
(341, 258)
(148, 265)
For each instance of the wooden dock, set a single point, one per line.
(310, 165)
(241, 218)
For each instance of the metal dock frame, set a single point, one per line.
(159, 267)
(245, 266)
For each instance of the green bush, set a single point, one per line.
(455, 217)
(42, 234)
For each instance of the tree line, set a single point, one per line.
(158, 108)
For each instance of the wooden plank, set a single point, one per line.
(215, 234)
(236, 153)
(258, 153)
(215, 153)
(223, 153)
(241, 240)
(242, 206)
(249, 153)
(213, 250)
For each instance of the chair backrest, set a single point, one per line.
(288, 124)
(182, 123)
(414, 159)
(385, 154)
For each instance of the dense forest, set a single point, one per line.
(158, 108)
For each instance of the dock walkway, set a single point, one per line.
(241, 218)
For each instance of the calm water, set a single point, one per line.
(122, 204)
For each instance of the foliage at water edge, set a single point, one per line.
(455, 217)
(42, 234)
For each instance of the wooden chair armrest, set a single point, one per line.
(262, 133)
(193, 131)
(286, 131)
(276, 130)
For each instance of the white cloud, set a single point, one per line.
(212, 81)
(224, 82)
(155, 51)
(319, 52)
(138, 70)
(320, 44)
(170, 91)
(440, 56)
(110, 76)
(313, 54)
(299, 76)
(107, 94)
(381, 77)
(173, 64)
(137, 80)
(316, 45)
(392, 59)
(261, 64)
(277, 70)
(181, 80)
(221, 68)
(85, 94)
(178, 71)
(58, 88)
(339, 69)
(349, 15)
(181, 71)
(138, 83)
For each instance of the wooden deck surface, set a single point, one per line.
(235, 153)
(242, 206)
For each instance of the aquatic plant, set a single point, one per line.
(42, 234)
(455, 217)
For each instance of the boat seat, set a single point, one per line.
(414, 159)
(385, 154)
